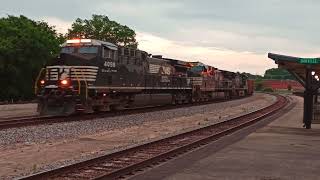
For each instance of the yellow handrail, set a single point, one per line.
(85, 82)
(36, 82)
(79, 84)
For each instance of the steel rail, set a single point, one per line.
(127, 162)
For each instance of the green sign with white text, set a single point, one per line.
(309, 60)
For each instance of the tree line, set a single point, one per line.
(273, 73)
(270, 74)
(27, 45)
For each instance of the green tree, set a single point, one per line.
(277, 73)
(25, 47)
(102, 28)
(251, 76)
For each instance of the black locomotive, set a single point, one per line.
(91, 75)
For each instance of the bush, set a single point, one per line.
(258, 86)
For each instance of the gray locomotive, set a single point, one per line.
(91, 75)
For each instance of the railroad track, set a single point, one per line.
(39, 120)
(125, 163)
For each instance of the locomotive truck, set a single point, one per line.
(91, 75)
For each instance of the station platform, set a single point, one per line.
(279, 150)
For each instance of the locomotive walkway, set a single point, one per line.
(280, 150)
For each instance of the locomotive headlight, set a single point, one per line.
(42, 82)
(77, 41)
(73, 41)
(64, 82)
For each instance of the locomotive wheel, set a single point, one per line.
(69, 108)
(87, 108)
(185, 101)
(104, 108)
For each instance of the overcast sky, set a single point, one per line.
(230, 34)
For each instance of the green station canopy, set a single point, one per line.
(296, 65)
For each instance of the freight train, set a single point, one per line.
(91, 75)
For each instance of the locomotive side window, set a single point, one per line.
(143, 56)
(113, 55)
(138, 54)
(107, 53)
(128, 60)
(132, 52)
(122, 51)
(138, 57)
(119, 55)
(126, 51)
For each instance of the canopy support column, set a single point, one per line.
(308, 100)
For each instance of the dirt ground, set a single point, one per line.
(23, 159)
(17, 110)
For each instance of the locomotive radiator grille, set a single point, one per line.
(156, 69)
(196, 80)
(74, 73)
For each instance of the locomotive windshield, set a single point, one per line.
(80, 49)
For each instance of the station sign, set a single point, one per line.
(309, 60)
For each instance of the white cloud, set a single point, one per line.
(61, 26)
(204, 47)
(220, 58)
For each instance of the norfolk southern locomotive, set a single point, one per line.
(91, 75)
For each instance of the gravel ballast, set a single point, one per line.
(39, 148)
(56, 131)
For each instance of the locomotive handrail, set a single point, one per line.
(85, 82)
(79, 84)
(36, 82)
